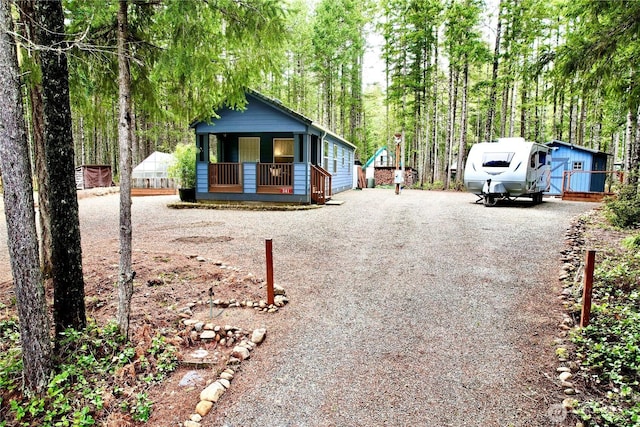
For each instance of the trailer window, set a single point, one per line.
(497, 160)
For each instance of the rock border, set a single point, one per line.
(570, 276)
(243, 342)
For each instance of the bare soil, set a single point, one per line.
(417, 309)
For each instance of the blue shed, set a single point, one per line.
(270, 153)
(580, 163)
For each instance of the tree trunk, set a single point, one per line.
(462, 146)
(125, 281)
(450, 126)
(37, 119)
(66, 251)
(20, 216)
(488, 134)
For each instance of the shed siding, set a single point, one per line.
(564, 158)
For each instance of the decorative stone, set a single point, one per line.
(280, 300)
(190, 423)
(213, 392)
(233, 361)
(569, 391)
(258, 335)
(203, 407)
(564, 376)
(207, 335)
(226, 376)
(195, 418)
(199, 326)
(190, 378)
(199, 354)
(240, 353)
(563, 369)
(189, 322)
(224, 382)
(278, 290)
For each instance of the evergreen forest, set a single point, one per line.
(448, 73)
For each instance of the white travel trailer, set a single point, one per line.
(507, 169)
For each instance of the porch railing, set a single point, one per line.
(275, 177)
(320, 185)
(225, 177)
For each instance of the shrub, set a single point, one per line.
(610, 346)
(96, 363)
(184, 168)
(624, 211)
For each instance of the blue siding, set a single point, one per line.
(249, 173)
(342, 176)
(563, 159)
(202, 177)
(301, 176)
(258, 117)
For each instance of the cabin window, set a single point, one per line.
(283, 150)
(497, 160)
(343, 150)
(325, 154)
(335, 158)
(577, 166)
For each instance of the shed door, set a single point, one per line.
(558, 166)
(249, 149)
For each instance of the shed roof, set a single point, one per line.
(373, 158)
(575, 147)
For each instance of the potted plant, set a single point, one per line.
(183, 170)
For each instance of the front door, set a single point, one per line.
(249, 149)
(315, 156)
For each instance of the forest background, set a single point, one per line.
(453, 73)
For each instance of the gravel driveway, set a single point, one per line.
(418, 309)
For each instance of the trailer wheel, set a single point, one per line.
(490, 201)
(537, 198)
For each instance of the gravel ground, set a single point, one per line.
(415, 309)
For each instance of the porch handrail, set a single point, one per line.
(320, 184)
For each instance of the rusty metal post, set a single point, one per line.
(270, 292)
(588, 287)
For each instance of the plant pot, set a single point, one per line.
(187, 194)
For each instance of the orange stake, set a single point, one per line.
(270, 292)
(588, 287)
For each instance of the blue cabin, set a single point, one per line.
(581, 165)
(269, 153)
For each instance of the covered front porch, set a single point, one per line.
(268, 153)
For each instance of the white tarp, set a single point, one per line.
(152, 172)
